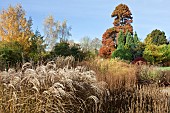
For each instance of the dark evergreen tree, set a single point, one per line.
(136, 39)
(121, 40)
(37, 47)
(129, 41)
(64, 49)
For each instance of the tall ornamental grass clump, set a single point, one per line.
(127, 95)
(56, 87)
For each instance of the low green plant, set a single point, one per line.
(148, 74)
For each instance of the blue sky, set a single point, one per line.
(92, 17)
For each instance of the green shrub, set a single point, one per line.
(149, 74)
(37, 48)
(64, 49)
(10, 54)
(123, 54)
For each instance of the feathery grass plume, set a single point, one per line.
(51, 66)
(68, 61)
(5, 78)
(27, 65)
(50, 77)
(15, 80)
(11, 71)
(92, 102)
(68, 84)
(41, 70)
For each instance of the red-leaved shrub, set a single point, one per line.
(139, 61)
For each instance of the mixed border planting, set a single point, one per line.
(51, 74)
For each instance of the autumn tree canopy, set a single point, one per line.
(156, 37)
(85, 43)
(122, 22)
(123, 19)
(108, 44)
(54, 31)
(157, 54)
(14, 26)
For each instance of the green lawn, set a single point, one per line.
(164, 68)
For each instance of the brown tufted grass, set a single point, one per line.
(126, 93)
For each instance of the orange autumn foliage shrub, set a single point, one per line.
(108, 44)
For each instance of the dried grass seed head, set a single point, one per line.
(41, 70)
(27, 65)
(58, 85)
(11, 71)
(51, 66)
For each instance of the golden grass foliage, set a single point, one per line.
(115, 72)
(126, 94)
(100, 86)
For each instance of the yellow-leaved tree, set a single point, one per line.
(14, 27)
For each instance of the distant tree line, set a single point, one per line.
(19, 43)
(120, 41)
